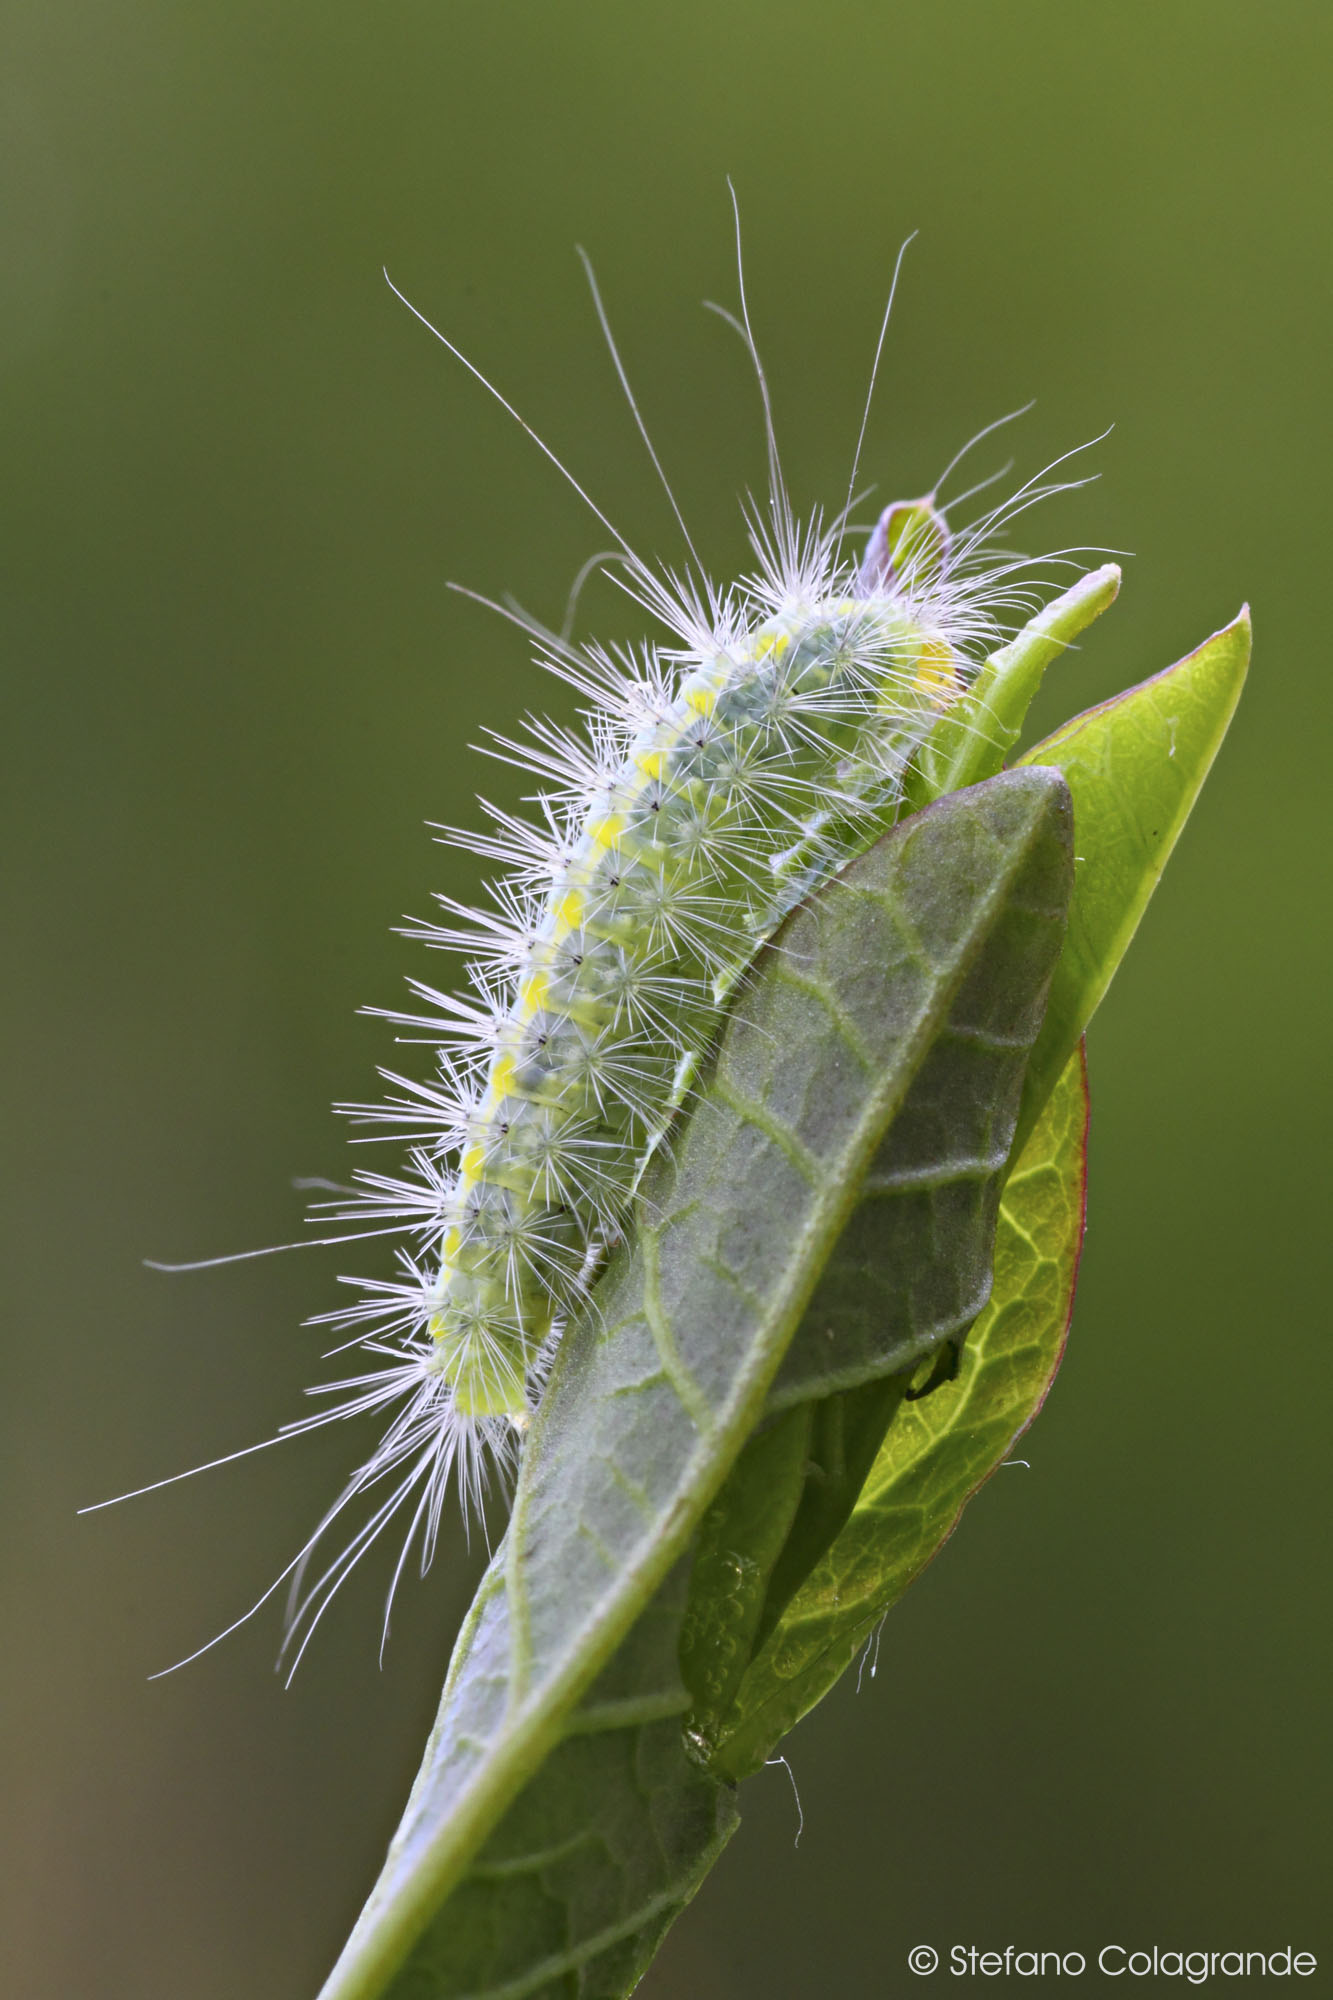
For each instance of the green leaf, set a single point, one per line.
(600, 1850)
(1134, 766)
(655, 1390)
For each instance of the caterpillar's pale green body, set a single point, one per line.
(721, 777)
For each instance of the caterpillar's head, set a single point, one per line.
(909, 549)
(907, 559)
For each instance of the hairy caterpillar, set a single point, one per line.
(723, 771)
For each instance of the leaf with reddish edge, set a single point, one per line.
(937, 1451)
(1134, 766)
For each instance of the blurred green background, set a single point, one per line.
(237, 476)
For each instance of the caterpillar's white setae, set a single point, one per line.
(725, 768)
